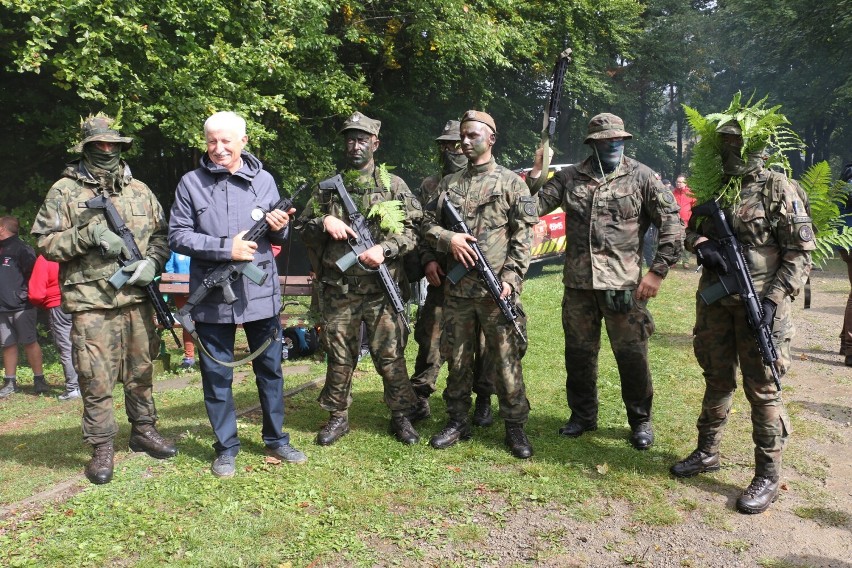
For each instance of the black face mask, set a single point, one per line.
(451, 163)
(101, 160)
(733, 163)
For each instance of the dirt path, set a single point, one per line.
(810, 525)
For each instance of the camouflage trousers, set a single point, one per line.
(110, 346)
(431, 350)
(722, 341)
(464, 318)
(582, 311)
(342, 314)
(846, 332)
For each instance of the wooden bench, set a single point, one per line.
(178, 285)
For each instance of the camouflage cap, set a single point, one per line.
(606, 125)
(363, 123)
(730, 127)
(450, 133)
(478, 116)
(98, 128)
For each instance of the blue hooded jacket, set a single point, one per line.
(211, 206)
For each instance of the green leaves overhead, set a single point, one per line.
(764, 132)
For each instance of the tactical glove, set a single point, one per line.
(143, 272)
(769, 308)
(709, 256)
(111, 245)
(620, 301)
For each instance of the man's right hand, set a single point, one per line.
(110, 244)
(710, 257)
(337, 229)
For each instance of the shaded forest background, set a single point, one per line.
(296, 68)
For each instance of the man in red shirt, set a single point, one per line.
(684, 199)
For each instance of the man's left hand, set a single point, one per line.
(372, 257)
(507, 290)
(279, 219)
(769, 308)
(648, 287)
(142, 272)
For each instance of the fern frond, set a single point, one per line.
(384, 176)
(391, 215)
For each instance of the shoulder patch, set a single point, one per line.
(666, 197)
(806, 234)
(529, 206)
(415, 203)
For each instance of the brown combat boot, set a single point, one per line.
(99, 468)
(758, 496)
(145, 438)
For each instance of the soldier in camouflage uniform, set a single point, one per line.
(609, 202)
(497, 207)
(113, 334)
(772, 224)
(347, 299)
(429, 331)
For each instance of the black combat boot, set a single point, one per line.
(518, 442)
(454, 431)
(421, 410)
(403, 430)
(99, 468)
(145, 438)
(336, 427)
(699, 461)
(575, 428)
(482, 415)
(642, 436)
(761, 492)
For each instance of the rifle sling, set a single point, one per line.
(183, 316)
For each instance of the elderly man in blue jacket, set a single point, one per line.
(214, 206)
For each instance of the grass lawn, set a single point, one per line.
(368, 499)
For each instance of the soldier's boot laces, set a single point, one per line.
(99, 468)
(336, 427)
(758, 496)
(403, 430)
(517, 441)
(482, 414)
(421, 410)
(145, 438)
(40, 385)
(699, 461)
(454, 431)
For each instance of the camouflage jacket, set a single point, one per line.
(83, 271)
(496, 206)
(775, 230)
(324, 252)
(605, 223)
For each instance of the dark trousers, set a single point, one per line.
(217, 380)
(582, 312)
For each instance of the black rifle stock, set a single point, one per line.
(495, 287)
(363, 242)
(738, 281)
(227, 273)
(117, 225)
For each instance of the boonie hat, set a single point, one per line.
(606, 125)
(730, 127)
(478, 116)
(98, 128)
(363, 123)
(450, 132)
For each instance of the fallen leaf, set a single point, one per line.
(454, 468)
(272, 459)
(603, 468)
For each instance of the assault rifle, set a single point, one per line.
(738, 281)
(551, 115)
(510, 311)
(363, 242)
(228, 272)
(117, 225)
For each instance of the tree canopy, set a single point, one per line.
(296, 69)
